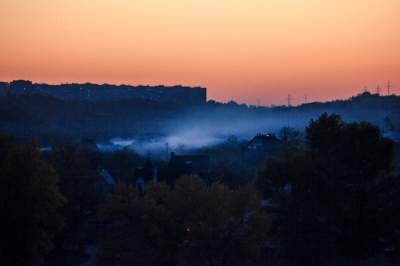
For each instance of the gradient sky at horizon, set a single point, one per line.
(241, 50)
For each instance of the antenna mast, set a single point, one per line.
(389, 85)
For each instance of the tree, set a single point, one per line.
(322, 133)
(141, 230)
(227, 228)
(335, 183)
(227, 163)
(290, 135)
(30, 202)
(192, 224)
(352, 165)
(122, 164)
(78, 170)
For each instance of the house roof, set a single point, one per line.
(108, 178)
(265, 138)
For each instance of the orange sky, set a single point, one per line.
(240, 49)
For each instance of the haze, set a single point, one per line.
(247, 51)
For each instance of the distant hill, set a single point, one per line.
(50, 119)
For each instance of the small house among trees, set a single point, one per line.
(261, 146)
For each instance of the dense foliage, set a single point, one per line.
(191, 224)
(29, 203)
(329, 196)
(336, 195)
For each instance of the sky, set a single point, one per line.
(251, 51)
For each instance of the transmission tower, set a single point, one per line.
(389, 86)
(378, 89)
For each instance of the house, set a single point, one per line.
(108, 181)
(263, 143)
(189, 164)
(261, 146)
(145, 174)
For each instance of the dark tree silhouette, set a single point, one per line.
(29, 204)
(193, 224)
(78, 170)
(331, 208)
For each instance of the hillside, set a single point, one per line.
(49, 119)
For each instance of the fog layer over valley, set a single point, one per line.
(200, 131)
(207, 125)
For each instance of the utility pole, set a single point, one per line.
(305, 98)
(389, 85)
(289, 100)
(166, 150)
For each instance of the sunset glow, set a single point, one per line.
(241, 50)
